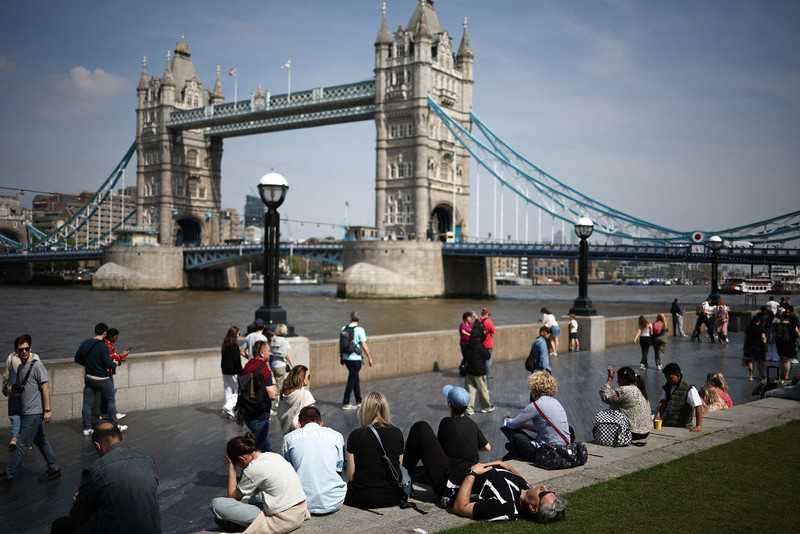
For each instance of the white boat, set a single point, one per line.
(296, 280)
(256, 279)
(746, 286)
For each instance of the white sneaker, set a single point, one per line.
(88, 431)
(228, 413)
(642, 366)
(121, 415)
(122, 428)
(349, 407)
(794, 360)
(658, 367)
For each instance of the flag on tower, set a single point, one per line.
(232, 72)
(286, 65)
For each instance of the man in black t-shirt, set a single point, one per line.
(456, 447)
(496, 492)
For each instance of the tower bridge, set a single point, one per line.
(426, 138)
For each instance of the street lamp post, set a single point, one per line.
(272, 187)
(583, 304)
(714, 243)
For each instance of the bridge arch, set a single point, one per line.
(441, 221)
(188, 231)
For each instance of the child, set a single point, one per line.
(678, 400)
(574, 345)
(711, 399)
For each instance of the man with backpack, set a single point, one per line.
(352, 344)
(256, 393)
(95, 356)
(488, 341)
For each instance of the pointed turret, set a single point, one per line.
(217, 96)
(465, 50)
(422, 29)
(167, 79)
(384, 37)
(143, 78)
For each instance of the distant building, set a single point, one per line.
(231, 228)
(254, 211)
(13, 218)
(253, 234)
(506, 265)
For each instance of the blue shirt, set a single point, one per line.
(359, 336)
(541, 358)
(544, 432)
(317, 454)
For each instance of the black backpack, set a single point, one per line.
(253, 398)
(347, 342)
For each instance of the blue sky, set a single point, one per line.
(683, 113)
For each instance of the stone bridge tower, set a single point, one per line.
(178, 172)
(422, 174)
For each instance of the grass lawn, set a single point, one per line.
(747, 485)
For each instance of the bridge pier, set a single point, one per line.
(131, 267)
(411, 269)
(234, 277)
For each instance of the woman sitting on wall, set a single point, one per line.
(294, 397)
(630, 398)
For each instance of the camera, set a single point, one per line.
(16, 388)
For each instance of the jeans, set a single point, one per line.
(103, 388)
(353, 383)
(31, 432)
(702, 320)
(259, 426)
(489, 364)
(677, 326)
(520, 445)
(233, 511)
(14, 411)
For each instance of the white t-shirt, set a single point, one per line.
(573, 326)
(692, 399)
(273, 481)
(250, 340)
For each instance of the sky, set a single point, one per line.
(683, 113)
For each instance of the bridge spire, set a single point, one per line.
(384, 37)
(465, 50)
(422, 29)
(143, 78)
(217, 96)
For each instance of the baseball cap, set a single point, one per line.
(484, 311)
(259, 323)
(456, 396)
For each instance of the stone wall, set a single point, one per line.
(163, 379)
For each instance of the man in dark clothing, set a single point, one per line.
(677, 318)
(456, 447)
(496, 492)
(95, 356)
(118, 491)
(679, 401)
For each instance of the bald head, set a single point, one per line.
(105, 435)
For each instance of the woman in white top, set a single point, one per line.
(294, 397)
(277, 502)
(549, 320)
(643, 337)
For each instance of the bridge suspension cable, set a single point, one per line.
(82, 217)
(567, 204)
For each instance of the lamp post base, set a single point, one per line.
(714, 298)
(583, 307)
(272, 316)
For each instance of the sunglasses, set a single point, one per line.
(543, 493)
(23, 349)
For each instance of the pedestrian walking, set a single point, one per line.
(643, 337)
(355, 339)
(33, 388)
(677, 318)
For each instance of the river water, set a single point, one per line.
(59, 318)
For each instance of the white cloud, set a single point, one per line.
(81, 93)
(7, 66)
(85, 84)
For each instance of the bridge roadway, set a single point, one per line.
(188, 442)
(220, 256)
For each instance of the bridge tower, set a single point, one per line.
(178, 172)
(422, 174)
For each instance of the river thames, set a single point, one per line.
(59, 318)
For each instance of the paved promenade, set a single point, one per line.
(188, 442)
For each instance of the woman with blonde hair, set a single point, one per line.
(711, 399)
(722, 321)
(370, 484)
(294, 397)
(718, 381)
(643, 337)
(658, 339)
(544, 415)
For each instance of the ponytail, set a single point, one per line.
(641, 385)
(241, 445)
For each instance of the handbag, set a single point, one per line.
(402, 479)
(611, 429)
(550, 456)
